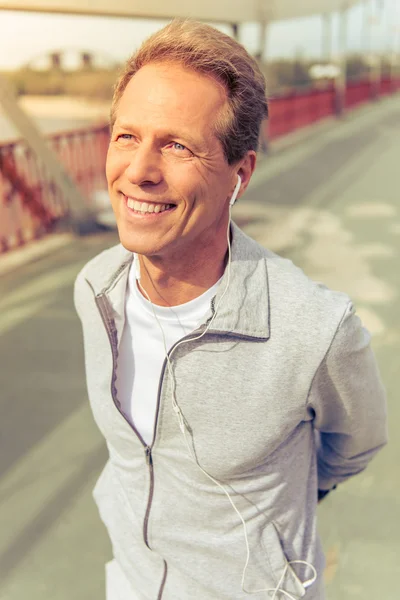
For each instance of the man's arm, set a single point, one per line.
(349, 404)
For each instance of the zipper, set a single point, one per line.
(114, 278)
(110, 328)
(149, 460)
(164, 579)
(148, 449)
(108, 321)
(212, 309)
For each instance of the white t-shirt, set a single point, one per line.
(142, 352)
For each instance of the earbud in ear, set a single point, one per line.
(235, 191)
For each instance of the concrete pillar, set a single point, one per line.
(87, 61)
(393, 39)
(262, 41)
(326, 49)
(340, 80)
(367, 40)
(56, 61)
(261, 58)
(394, 55)
(366, 29)
(374, 59)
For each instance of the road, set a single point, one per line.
(332, 204)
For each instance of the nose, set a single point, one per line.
(144, 167)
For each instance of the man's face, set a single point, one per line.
(168, 178)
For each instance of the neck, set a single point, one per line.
(174, 280)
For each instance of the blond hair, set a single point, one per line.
(202, 48)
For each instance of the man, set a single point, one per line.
(229, 387)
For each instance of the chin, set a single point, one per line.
(131, 241)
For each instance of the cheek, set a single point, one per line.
(184, 183)
(115, 165)
(211, 184)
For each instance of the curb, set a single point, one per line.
(33, 250)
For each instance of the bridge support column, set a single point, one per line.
(341, 78)
(327, 51)
(261, 58)
(235, 31)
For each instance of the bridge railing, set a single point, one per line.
(30, 204)
(299, 109)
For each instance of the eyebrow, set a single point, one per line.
(192, 142)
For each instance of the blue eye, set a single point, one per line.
(125, 136)
(178, 150)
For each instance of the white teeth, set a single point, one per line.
(145, 207)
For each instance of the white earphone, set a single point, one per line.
(235, 191)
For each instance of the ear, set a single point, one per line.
(246, 169)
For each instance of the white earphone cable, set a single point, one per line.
(177, 410)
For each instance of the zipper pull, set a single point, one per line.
(149, 458)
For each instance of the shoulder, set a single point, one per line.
(287, 278)
(300, 305)
(311, 302)
(288, 285)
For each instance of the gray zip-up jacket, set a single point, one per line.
(280, 397)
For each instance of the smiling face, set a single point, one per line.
(168, 178)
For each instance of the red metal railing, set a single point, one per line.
(358, 92)
(388, 86)
(298, 109)
(83, 154)
(30, 204)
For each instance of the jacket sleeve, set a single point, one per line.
(348, 401)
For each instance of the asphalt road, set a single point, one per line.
(332, 204)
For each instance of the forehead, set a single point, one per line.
(171, 94)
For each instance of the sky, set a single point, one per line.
(25, 36)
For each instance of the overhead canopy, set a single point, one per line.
(227, 11)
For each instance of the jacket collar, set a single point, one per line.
(245, 307)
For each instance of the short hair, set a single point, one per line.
(202, 48)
